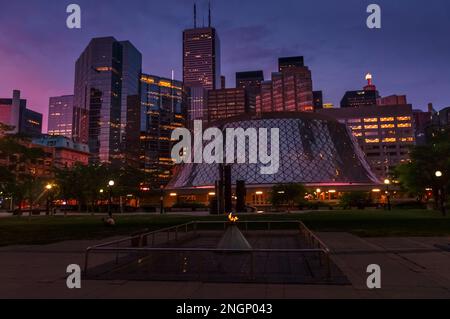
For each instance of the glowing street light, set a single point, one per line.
(441, 192)
(111, 183)
(48, 188)
(387, 182)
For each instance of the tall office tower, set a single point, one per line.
(318, 100)
(369, 96)
(290, 62)
(225, 103)
(201, 66)
(14, 113)
(131, 73)
(163, 109)
(290, 90)
(60, 116)
(106, 78)
(250, 81)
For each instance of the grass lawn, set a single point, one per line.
(42, 230)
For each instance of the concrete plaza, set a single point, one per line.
(411, 268)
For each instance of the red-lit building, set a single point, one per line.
(290, 90)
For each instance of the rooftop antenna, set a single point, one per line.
(209, 13)
(195, 15)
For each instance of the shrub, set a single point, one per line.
(356, 199)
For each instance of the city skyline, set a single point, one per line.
(407, 56)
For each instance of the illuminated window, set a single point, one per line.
(387, 119)
(404, 118)
(404, 125)
(359, 127)
(357, 134)
(371, 127)
(390, 140)
(372, 140)
(354, 121)
(371, 120)
(407, 139)
(388, 126)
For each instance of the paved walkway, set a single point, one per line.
(411, 268)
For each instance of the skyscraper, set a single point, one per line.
(106, 78)
(201, 66)
(290, 62)
(163, 109)
(14, 112)
(60, 116)
(318, 100)
(290, 90)
(225, 103)
(250, 81)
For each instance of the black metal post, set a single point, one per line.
(110, 202)
(388, 197)
(161, 200)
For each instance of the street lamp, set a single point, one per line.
(387, 182)
(48, 188)
(111, 184)
(441, 191)
(102, 191)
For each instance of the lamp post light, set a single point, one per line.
(111, 184)
(102, 191)
(441, 192)
(48, 188)
(387, 182)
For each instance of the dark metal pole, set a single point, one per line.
(388, 198)
(443, 208)
(161, 200)
(47, 210)
(110, 202)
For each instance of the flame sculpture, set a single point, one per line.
(232, 218)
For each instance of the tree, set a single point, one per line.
(18, 174)
(419, 174)
(287, 194)
(355, 199)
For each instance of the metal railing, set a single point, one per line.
(145, 243)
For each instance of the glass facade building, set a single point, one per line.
(106, 78)
(163, 109)
(315, 150)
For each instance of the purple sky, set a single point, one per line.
(409, 55)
